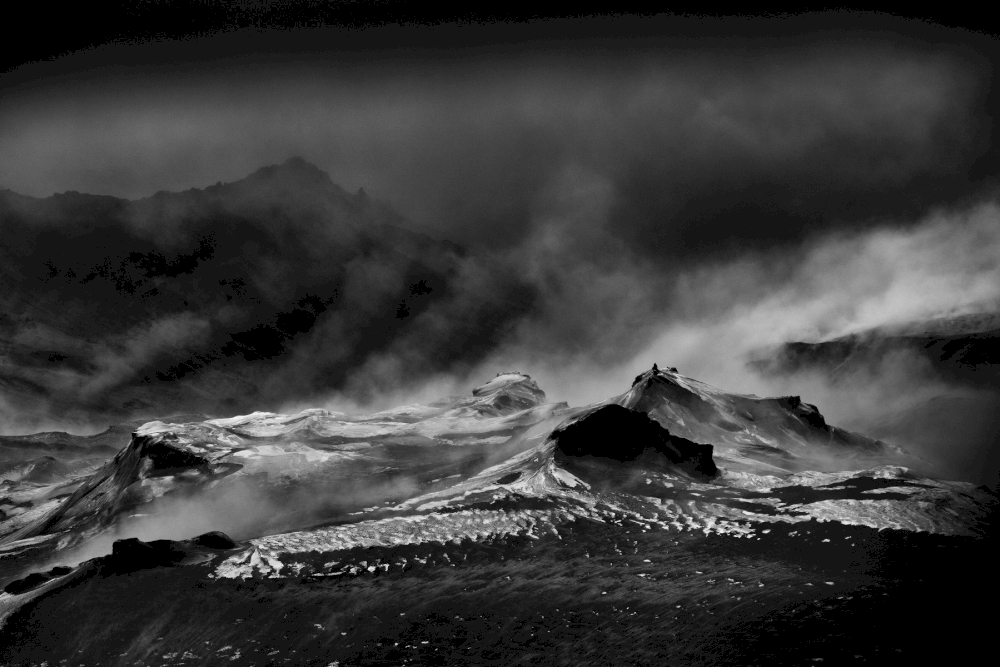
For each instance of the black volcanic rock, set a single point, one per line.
(214, 540)
(134, 554)
(165, 459)
(34, 580)
(806, 411)
(620, 434)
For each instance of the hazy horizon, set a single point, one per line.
(686, 191)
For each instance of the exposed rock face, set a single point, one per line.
(509, 392)
(34, 580)
(214, 540)
(623, 435)
(134, 554)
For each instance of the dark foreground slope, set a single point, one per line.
(603, 594)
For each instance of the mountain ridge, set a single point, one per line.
(219, 299)
(602, 507)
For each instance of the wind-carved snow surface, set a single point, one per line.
(316, 458)
(496, 465)
(531, 494)
(945, 508)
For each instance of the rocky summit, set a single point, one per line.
(491, 528)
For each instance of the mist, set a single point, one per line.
(712, 322)
(576, 211)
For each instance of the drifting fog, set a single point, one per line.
(692, 207)
(725, 314)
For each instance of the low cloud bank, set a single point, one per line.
(710, 321)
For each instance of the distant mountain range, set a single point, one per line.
(963, 349)
(955, 359)
(224, 300)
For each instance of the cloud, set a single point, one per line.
(834, 285)
(133, 352)
(469, 145)
(710, 320)
(664, 202)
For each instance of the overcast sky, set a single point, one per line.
(699, 141)
(660, 180)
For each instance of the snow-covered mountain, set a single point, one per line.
(323, 495)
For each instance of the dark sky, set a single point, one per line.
(708, 133)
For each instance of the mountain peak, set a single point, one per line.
(782, 431)
(655, 371)
(298, 162)
(294, 167)
(511, 391)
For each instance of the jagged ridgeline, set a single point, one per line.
(266, 472)
(224, 300)
(667, 439)
(781, 431)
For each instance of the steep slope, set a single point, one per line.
(38, 471)
(265, 472)
(748, 432)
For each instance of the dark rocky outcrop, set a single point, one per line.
(34, 580)
(134, 554)
(620, 434)
(215, 539)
